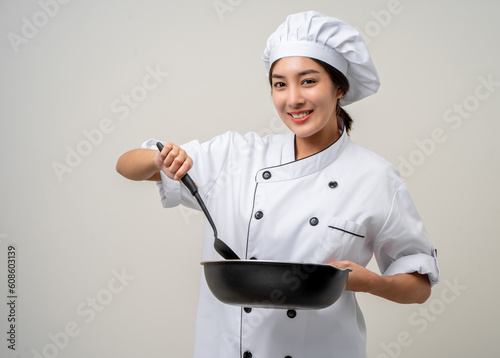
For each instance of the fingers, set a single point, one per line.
(341, 264)
(180, 166)
(183, 169)
(174, 155)
(175, 161)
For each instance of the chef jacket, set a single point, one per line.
(343, 203)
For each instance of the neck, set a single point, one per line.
(305, 147)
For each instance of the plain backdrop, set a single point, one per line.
(103, 271)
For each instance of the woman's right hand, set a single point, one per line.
(173, 161)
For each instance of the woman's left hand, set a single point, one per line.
(401, 288)
(360, 279)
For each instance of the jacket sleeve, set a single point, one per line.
(209, 160)
(403, 245)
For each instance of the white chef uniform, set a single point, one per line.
(343, 203)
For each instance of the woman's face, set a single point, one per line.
(305, 97)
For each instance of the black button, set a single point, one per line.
(314, 221)
(247, 309)
(291, 313)
(253, 258)
(258, 215)
(266, 175)
(288, 357)
(247, 354)
(333, 184)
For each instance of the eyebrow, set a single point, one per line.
(300, 74)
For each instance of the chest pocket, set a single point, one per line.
(344, 240)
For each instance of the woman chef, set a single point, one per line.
(308, 196)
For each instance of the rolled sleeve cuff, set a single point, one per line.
(150, 144)
(170, 191)
(422, 263)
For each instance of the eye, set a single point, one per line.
(278, 84)
(308, 82)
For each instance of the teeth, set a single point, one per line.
(300, 115)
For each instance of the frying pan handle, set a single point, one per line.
(186, 179)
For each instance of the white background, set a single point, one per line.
(76, 224)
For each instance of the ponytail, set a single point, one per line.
(346, 118)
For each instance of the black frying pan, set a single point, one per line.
(268, 284)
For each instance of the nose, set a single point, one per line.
(295, 97)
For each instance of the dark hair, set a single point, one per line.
(338, 79)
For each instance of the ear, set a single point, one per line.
(339, 93)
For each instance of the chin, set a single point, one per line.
(303, 132)
(302, 135)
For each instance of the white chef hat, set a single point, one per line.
(312, 34)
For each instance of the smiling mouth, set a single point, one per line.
(300, 116)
